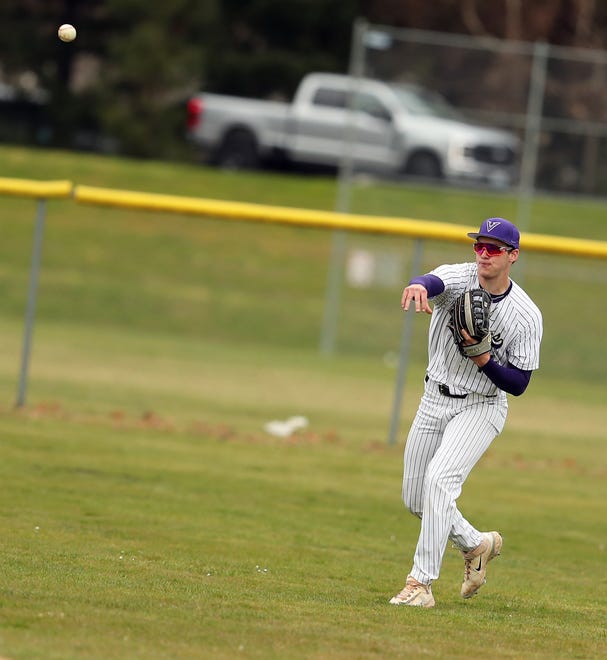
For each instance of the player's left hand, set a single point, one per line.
(480, 360)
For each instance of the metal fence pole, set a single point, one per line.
(405, 344)
(31, 301)
(342, 204)
(533, 127)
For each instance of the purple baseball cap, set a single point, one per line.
(500, 229)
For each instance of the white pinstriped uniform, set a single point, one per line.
(449, 435)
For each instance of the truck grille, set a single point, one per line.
(491, 154)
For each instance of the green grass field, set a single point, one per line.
(145, 512)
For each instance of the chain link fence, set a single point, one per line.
(552, 97)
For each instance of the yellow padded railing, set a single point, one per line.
(241, 211)
(37, 189)
(325, 219)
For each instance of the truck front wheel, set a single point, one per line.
(424, 164)
(238, 150)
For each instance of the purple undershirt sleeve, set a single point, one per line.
(510, 378)
(434, 285)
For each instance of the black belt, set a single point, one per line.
(445, 391)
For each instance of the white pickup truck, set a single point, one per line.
(390, 128)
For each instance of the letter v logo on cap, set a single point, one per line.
(492, 224)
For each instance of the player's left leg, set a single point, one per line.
(477, 427)
(476, 560)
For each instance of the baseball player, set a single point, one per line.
(464, 404)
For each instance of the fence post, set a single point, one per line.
(533, 127)
(330, 319)
(31, 302)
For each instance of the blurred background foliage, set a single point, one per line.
(122, 85)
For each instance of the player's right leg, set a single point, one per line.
(414, 594)
(422, 442)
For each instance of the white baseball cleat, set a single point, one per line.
(414, 594)
(475, 563)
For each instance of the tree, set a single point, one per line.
(564, 22)
(123, 75)
(264, 47)
(153, 60)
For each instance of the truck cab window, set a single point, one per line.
(372, 106)
(331, 98)
(337, 98)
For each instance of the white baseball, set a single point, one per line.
(67, 32)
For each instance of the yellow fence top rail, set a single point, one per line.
(241, 211)
(38, 189)
(325, 219)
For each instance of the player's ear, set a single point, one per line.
(513, 255)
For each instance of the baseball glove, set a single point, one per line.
(471, 313)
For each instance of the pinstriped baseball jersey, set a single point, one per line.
(516, 327)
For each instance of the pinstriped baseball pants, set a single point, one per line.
(447, 438)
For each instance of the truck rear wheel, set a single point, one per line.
(238, 150)
(424, 164)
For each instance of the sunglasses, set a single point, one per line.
(492, 250)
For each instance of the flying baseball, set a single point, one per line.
(66, 32)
